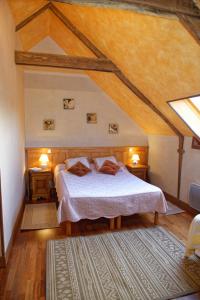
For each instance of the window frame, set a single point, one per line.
(193, 106)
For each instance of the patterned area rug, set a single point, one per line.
(143, 264)
(173, 209)
(39, 216)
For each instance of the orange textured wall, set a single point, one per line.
(157, 54)
(35, 31)
(21, 9)
(110, 83)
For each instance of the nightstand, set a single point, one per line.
(40, 184)
(138, 170)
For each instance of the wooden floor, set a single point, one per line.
(24, 278)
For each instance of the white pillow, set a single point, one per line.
(72, 161)
(99, 161)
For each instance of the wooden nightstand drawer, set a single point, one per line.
(40, 185)
(139, 173)
(138, 170)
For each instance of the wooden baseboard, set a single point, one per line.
(14, 232)
(183, 205)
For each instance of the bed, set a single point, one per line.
(101, 195)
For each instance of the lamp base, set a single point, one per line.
(44, 167)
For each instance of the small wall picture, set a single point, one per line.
(113, 128)
(69, 103)
(91, 118)
(49, 124)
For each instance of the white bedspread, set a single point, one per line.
(99, 195)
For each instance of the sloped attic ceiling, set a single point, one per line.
(157, 54)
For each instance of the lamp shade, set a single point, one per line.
(135, 158)
(44, 160)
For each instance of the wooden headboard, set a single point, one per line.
(58, 155)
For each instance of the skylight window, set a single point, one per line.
(188, 110)
(196, 102)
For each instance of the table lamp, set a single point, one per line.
(135, 159)
(44, 160)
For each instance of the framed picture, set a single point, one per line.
(113, 128)
(68, 103)
(91, 118)
(195, 143)
(49, 124)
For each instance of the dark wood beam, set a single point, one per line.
(33, 16)
(76, 32)
(144, 99)
(129, 85)
(192, 25)
(64, 61)
(141, 96)
(101, 63)
(186, 7)
(117, 71)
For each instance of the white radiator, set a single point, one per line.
(194, 196)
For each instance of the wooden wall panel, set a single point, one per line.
(58, 155)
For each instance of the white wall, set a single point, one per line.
(44, 94)
(11, 124)
(47, 45)
(191, 168)
(163, 161)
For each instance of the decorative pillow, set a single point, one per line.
(99, 161)
(109, 167)
(79, 169)
(72, 161)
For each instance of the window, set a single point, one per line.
(196, 102)
(188, 110)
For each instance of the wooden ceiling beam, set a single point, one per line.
(33, 16)
(192, 25)
(122, 77)
(171, 7)
(101, 63)
(75, 31)
(64, 61)
(144, 99)
(117, 71)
